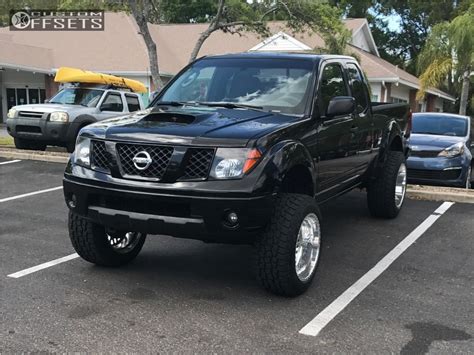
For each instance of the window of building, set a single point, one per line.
(374, 98)
(399, 101)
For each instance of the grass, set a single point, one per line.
(6, 141)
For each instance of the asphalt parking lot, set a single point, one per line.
(183, 295)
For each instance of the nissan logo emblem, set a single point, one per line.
(142, 160)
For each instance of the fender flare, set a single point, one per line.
(280, 159)
(78, 123)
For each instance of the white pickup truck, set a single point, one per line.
(58, 121)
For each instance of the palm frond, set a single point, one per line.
(434, 75)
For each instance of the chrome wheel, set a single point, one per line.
(307, 247)
(123, 242)
(401, 185)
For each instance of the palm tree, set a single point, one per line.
(448, 55)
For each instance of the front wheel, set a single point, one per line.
(103, 247)
(386, 194)
(288, 251)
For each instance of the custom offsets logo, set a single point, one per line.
(48, 20)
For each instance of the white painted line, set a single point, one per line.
(9, 162)
(30, 194)
(43, 266)
(330, 312)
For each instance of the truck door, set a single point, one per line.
(111, 106)
(362, 132)
(335, 153)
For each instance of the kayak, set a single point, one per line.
(73, 75)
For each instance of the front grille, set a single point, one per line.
(100, 158)
(424, 153)
(160, 155)
(30, 114)
(434, 174)
(198, 164)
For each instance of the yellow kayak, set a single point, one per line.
(73, 75)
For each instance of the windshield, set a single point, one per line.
(441, 125)
(277, 85)
(77, 96)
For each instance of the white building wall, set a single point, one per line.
(376, 88)
(360, 40)
(401, 92)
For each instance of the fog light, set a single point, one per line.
(72, 202)
(232, 218)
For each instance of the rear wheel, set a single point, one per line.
(21, 143)
(289, 249)
(101, 246)
(386, 194)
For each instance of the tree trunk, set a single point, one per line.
(213, 26)
(141, 20)
(464, 93)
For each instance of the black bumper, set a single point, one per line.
(42, 130)
(178, 215)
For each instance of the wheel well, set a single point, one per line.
(396, 144)
(298, 180)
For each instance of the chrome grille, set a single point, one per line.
(30, 114)
(199, 163)
(100, 158)
(160, 155)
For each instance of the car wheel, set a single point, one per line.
(103, 247)
(386, 194)
(289, 249)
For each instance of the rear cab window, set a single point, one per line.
(133, 103)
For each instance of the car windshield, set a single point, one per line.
(77, 96)
(277, 85)
(440, 125)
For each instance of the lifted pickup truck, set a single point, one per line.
(59, 121)
(239, 148)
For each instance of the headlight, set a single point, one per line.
(233, 163)
(452, 151)
(59, 116)
(82, 151)
(11, 113)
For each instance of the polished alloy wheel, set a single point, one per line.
(122, 242)
(307, 247)
(401, 185)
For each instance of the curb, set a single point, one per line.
(432, 193)
(54, 157)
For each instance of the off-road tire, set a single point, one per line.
(90, 242)
(21, 143)
(275, 248)
(381, 191)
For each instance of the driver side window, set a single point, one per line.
(332, 84)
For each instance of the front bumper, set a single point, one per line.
(41, 130)
(184, 215)
(438, 171)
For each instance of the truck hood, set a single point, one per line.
(432, 142)
(47, 107)
(190, 126)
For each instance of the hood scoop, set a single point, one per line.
(170, 118)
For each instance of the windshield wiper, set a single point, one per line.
(230, 105)
(173, 103)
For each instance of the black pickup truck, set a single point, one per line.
(239, 148)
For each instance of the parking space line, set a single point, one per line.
(330, 312)
(43, 266)
(9, 162)
(30, 194)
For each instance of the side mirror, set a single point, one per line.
(340, 105)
